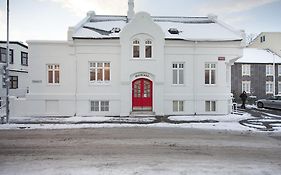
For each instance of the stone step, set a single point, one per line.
(142, 114)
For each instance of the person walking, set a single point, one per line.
(243, 97)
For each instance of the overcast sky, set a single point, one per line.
(49, 19)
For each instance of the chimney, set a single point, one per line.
(131, 11)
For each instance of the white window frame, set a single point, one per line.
(269, 70)
(210, 67)
(246, 86)
(246, 70)
(136, 43)
(279, 87)
(99, 106)
(269, 87)
(54, 68)
(210, 106)
(279, 70)
(148, 43)
(178, 67)
(178, 106)
(93, 67)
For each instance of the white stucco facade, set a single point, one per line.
(75, 93)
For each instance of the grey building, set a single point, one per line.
(254, 73)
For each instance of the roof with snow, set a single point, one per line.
(189, 28)
(253, 55)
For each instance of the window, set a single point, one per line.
(3, 55)
(210, 106)
(246, 86)
(269, 70)
(279, 70)
(1, 102)
(246, 69)
(178, 73)
(13, 82)
(98, 106)
(269, 87)
(178, 106)
(53, 74)
(99, 71)
(210, 73)
(136, 49)
(148, 49)
(279, 87)
(24, 58)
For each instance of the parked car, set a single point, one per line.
(271, 102)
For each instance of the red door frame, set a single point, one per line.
(142, 94)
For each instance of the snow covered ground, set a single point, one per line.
(214, 122)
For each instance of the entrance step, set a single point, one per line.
(142, 114)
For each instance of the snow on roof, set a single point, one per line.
(253, 55)
(190, 28)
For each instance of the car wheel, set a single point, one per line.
(260, 105)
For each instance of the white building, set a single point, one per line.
(119, 65)
(18, 66)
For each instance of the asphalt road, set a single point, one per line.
(138, 151)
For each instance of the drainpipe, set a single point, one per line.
(194, 79)
(7, 78)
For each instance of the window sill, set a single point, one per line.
(49, 84)
(142, 59)
(178, 85)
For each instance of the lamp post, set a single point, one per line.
(7, 78)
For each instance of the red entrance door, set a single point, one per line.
(142, 95)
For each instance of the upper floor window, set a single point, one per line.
(99, 71)
(24, 58)
(269, 70)
(246, 69)
(148, 49)
(13, 82)
(210, 73)
(136, 49)
(279, 70)
(178, 73)
(53, 74)
(3, 55)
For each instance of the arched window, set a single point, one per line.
(136, 49)
(148, 49)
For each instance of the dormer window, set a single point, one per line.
(148, 49)
(173, 31)
(136, 49)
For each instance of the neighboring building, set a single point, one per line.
(18, 66)
(254, 72)
(268, 40)
(120, 65)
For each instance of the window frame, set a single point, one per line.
(179, 67)
(136, 44)
(95, 69)
(24, 58)
(211, 107)
(3, 54)
(54, 70)
(279, 87)
(269, 70)
(279, 70)
(247, 83)
(246, 70)
(99, 105)
(178, 105)
(210, 69)
(148, 43)
(269, 86)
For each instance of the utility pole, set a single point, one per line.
(7, 78)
